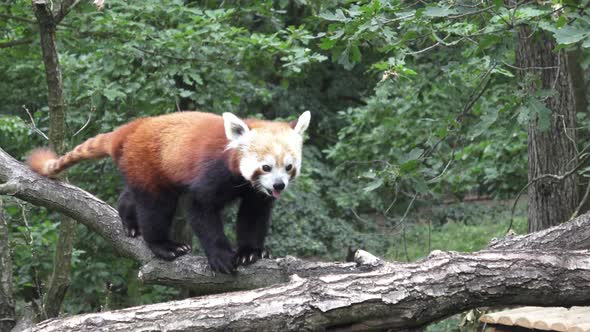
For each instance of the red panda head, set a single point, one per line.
(269, 153)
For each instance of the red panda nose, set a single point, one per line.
(279, 186)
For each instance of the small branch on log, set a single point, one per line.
(395, 296)
(572, 235)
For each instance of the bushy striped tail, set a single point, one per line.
(45, 162)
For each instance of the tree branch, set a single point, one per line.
(188, 271)
(65, 7)
(395, 296)
(16, 42)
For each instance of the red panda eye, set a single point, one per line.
(266, 168)
(289, 167)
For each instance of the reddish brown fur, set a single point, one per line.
(157, 151)
(39, 158)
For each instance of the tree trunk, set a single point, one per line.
(395, 296)
(550, 151)
(7, 317)
(60, 277)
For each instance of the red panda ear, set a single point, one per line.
(293, 124)
(302, 123)
(234, 127)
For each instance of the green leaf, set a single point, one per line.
(328, 43)
(570, 35)
(373, 185)
(337, 16)
(439, 11)
(185, 93)
(543, 113)
(355, 53)
(412, 155)
(112, 94)
(487, 120)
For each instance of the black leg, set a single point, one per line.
(127, 212)
(252, 227)
(154, 215)
(208, 226)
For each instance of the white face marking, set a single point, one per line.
(248, 165)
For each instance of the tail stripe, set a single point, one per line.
(45, 162)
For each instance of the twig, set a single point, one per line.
(423, 50)
(582, 202)
(567, 135)
(540, 177)
(64, 9)
(92, 110)
(16, 18)
(401, 221)
(527, 68)
(34, 257)
(558, 70)
(34, 126)
(451, 17)
(16, 43)
(473, 98)
(451, 158)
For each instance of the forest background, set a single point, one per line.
(420, 118)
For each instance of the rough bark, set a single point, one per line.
(7, 314)
(395, 296)
(550, 151)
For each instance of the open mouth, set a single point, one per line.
(273, 193)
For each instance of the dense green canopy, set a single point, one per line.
(413, 103)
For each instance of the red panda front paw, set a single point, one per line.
(247, 255)
(222, 261)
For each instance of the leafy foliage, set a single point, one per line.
(413, 103)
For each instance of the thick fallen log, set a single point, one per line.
(393, 296)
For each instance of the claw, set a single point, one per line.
(251, 258)
(243, 260)
(132, 232)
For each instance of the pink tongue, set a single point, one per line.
(276, 194)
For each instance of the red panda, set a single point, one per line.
(214, 159)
